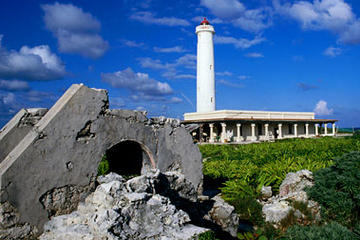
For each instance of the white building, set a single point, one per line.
(238, 125)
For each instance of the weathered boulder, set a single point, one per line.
(124, 210)
(291, 192)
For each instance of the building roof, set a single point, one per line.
(260, 120)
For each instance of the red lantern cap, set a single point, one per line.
(205, 22)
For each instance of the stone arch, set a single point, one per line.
(129, 157)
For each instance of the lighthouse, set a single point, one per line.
(205, 76)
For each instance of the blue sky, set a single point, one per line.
(269, 54)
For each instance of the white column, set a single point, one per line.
(280, 131)
(295, 130)
(316, 129)
(253, 137)
(211, 125)
(333, 129)
(238, 136)
(307, 129)
(325, 128)
(223, 132)
(266, 131)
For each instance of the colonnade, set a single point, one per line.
(240, 138)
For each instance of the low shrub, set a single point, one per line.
(248, 209)
(332, 230)
(337, 190)
(209, 235)
(103, 167)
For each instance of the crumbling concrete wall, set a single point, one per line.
(17, 128)
(63, 151)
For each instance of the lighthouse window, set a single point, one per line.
(210, 67)
(211, 99)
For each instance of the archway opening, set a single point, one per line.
(127, 159)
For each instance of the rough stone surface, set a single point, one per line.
(223, 214)
(10, 227)
(291, 190)
(266, 192)
(117, 211)
(66, 145)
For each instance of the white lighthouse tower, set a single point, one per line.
(205, 78)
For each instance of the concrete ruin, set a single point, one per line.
(49, 159)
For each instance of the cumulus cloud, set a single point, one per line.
(233, 11)
(37, 63)
(322, 109)
(141, 86)
(14, 85)
(176, 49)
(171, 69)
(75, 30)
(254, 55)
(332, 52)
(238, 42)
(333, 15)
(149, 18)
(306, 87)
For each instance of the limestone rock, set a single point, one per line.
(296, 182)
(291, 190)
(125, 210)
(277, 211)
(266, 192)
(223, 214)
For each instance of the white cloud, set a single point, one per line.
(243, 77)
(225, 73)
(238, 43)
(333, 15)
(37, 63)
(254, 55)
(14, 85)
(176, 49)
(8, 98)
(332, 52)
(322, 109)
(76, 30)
(149, 18)
(140, 85)
(230, 84)
(170, 70)
(130, 43)
(176, 100)
(233, 11)
(185, 76)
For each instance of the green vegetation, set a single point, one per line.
(103, 166)
(209, 235)
(246, 168)
(243, 169)
(337, 190)
(325, 232)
